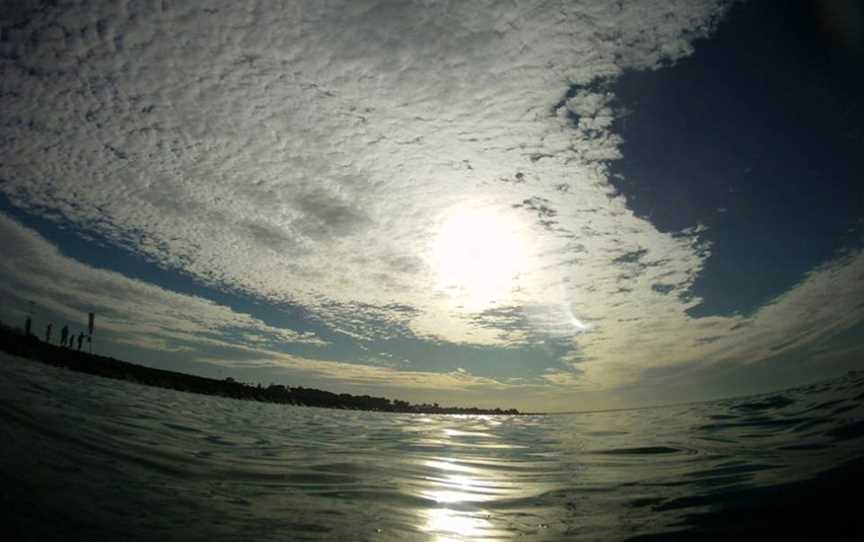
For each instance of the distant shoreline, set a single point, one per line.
(16, 343)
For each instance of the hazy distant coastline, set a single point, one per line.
(14, 342)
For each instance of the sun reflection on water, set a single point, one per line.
(452, 525)
(460, 488)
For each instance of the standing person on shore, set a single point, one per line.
(64, 335)
(80, 340)
(48, 333)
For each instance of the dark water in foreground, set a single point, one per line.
(85, 458)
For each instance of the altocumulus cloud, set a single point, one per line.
(130, 311)
(148, 317)
(309, 152)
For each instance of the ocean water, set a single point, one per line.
(83, 457)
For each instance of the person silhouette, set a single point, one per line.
(64, 335)
(80, 339)
(48, 333)
(27, 323)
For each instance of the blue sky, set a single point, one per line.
(776, 151)
(552, 209)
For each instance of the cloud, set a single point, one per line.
(144, 316)
(315, 139)
(823, 305)
(359, 375)
(147, 317)
(311, 153)
(128, 311)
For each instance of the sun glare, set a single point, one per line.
(478, 256)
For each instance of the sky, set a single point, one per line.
(547, 205)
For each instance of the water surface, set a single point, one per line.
(84, 457)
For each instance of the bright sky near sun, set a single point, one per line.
(416, 199)
(478, 255)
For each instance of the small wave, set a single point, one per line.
(813, 446)
(645, 450)
(847, 432)
(754, 423)
(319, 478)
(825, 405)
(730, 470)
(773, 402)
(217, 439)
(179, 427)
(722, 417)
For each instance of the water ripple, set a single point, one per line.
(177, 466)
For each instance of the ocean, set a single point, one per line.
(87, 458)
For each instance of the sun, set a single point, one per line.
(478, 255)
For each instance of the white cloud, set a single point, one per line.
(128, 311)
(825, 303)
(311, 152)
(321, 141)
(358, 375)
(134, 313)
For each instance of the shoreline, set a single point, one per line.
(17, 344)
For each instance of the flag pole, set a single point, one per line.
(91, 317)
